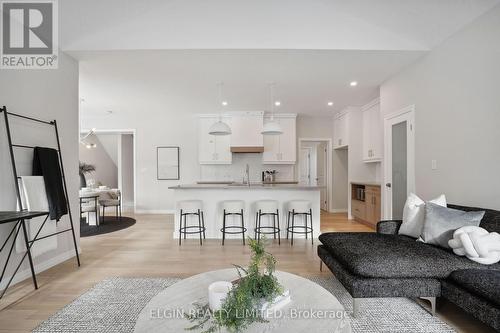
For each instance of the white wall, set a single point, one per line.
(126, 171)
(47, 94)
(456, 95)
(106, 171)
(172, 128)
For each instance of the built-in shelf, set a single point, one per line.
(365, 202)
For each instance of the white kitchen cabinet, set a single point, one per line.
(246, 128)
(341, 130)
(372, 132)
(281, 149)
(213, 149)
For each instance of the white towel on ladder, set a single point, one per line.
(34, 198)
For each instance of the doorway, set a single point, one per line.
(399, 171)
(315, 167)
(112, 154)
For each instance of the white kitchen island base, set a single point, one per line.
(213, 196)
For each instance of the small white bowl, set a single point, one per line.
(217, 293)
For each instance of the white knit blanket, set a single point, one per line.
(477, 244)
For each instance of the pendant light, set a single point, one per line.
(220, 127)
(271, 127)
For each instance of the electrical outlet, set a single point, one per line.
(434, 165)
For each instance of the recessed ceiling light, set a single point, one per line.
(224, 103)
(109, 111)
(277, 103)
(354, 84)
(330, 103)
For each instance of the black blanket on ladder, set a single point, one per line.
(46, 164)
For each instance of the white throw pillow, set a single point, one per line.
(414, 214)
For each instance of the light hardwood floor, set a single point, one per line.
(147, 249)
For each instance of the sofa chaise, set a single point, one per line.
(385, 264)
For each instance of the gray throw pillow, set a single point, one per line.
(441, 222)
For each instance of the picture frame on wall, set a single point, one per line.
(167, 161)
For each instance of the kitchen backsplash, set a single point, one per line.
(236, 170)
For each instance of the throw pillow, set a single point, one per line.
(441, 222)
(414, 214)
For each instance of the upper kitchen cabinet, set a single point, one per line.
(281, 149)
(213, 149)
(372, 132)
(246, 130)
(341, 130)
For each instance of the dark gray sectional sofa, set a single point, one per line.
(385, 264)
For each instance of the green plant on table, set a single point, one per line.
(242, 304)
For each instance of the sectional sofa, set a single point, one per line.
(385, 264)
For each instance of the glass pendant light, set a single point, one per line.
(271, 127)
(220, 127)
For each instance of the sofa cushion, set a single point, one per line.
(480, 282)
(490, 221)
(392, 256)
(441, 222)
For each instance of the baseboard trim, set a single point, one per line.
(43, 266)
(338, 210)
(155, 211)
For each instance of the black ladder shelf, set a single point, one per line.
(22, 216)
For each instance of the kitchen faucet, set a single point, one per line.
(247, 174)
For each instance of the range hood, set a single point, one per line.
(247, 149)
(246, 134)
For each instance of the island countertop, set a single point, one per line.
(240, 186)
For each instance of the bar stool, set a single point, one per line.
(234, 208)
(299, 207)
(191, 207)
(269, 208)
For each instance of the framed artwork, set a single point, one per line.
(167, 160)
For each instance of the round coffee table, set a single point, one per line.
(311, 309)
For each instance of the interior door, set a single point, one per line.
(399, 173)
(321, 167)
(305, 165)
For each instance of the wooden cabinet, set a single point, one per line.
(366, 203)
(281, 149)
(372, 132)
(213, 149)
(358, 209)
(372, 204)
(341, 130)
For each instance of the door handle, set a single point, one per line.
(388, 185)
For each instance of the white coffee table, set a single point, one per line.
(307, 299)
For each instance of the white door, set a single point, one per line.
(399, 172)
(305, 165)
(321, 178)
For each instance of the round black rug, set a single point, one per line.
(110, 224)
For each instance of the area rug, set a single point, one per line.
(109, 224)
(114, 305)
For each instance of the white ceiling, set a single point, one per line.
(185, 81)
(175, 51)
(263, 24)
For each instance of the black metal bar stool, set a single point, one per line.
(303, 208)
(267, 208)
(233, 208)
(195, 208)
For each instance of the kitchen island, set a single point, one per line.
(213, 195)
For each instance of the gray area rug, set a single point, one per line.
(113, 305)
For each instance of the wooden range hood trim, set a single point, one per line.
(255, 149)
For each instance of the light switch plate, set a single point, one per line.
(434, 165)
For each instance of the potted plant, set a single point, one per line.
(255, 286)
(83, 170)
